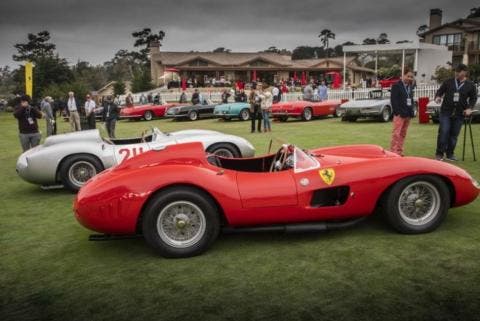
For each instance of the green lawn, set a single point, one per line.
(50, 271)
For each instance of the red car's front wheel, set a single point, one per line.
(417, 204)
(180, 222)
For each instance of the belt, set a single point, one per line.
(73, 111)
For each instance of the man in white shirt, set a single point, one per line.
(73, 112)
(90, 112)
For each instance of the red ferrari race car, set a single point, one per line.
(306, 110)
(147, 112)
(179, 198)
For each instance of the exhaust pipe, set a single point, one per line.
(295, 228)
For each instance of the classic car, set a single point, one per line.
(73, 158)
(306, 110)
(179, 197)
(433, 109)
(233, 110)
(388, 82)
(147, 112)
(376, 106)
(191, 112)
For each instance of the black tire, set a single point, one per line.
(148, 115)
(307, 114)
(224, 150)
(75, 170)
(207, 220)
(386, 114)
(244, 114)
(227, 118)
(193, 115)
(400, 221)
(283, 118)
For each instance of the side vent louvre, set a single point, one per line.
(333, 196)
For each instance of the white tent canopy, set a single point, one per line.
(436, 52)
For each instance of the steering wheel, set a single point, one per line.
(280, 156)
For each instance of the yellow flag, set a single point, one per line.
(28, 78)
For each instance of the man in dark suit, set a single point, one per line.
(401, 99)
(110, 116)
(459, 98)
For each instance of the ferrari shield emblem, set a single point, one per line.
(327, 175)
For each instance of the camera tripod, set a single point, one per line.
(467, 122)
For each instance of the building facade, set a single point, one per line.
(248, 67)
(462, 36)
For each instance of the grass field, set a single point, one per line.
(50, 271)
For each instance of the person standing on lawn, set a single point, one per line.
(459, 98)
(110, 116)
(73, 108)
(47, 110)
(401, 99)
(27, 123)
(266, 105)
(90, 111)
(255, 101)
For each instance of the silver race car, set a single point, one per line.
(72, 159)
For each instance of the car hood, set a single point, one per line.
(350, 154)
(80, 136)
(365, 103)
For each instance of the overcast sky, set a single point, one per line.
(95, 30)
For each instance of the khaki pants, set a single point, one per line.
(400, 126)
(75, 121)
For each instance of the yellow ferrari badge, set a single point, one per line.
(328, 175)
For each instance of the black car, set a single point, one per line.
(191, 112)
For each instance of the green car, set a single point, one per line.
(233, 110)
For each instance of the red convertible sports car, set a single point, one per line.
(147, 112)
(306, 110)
(179, 198)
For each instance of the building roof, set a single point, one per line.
(232, 59)
(467, 24)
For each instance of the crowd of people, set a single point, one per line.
(457, 96)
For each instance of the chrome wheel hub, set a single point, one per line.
(419, 203)
(80, 172)
(181, 224)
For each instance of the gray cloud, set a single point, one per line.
(95, 30)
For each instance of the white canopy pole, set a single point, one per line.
(344, 69)
(376, 67)
(415, 63)
(403, 62)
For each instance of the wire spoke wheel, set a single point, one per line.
(80, 172)
(181, 224)
(419, 203)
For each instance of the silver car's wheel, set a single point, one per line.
(76, 170)
(386, 114)
(181, 224)
(245, 114)
(80, 172)
(419, 203)
(224, 150)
